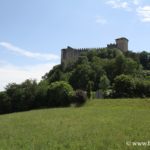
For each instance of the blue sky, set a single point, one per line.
(32, 32)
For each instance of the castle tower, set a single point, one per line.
(69, 55)
(122, 44)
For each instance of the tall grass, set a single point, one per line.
(99, 125)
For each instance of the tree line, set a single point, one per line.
(105, 69)
(31, 95)
(111, 71)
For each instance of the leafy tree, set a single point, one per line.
(82, 60)
(59, 93)
(142, 88)
(22, 96)
(29, 88)
(124, 86)
(104, 83)
(12, 90)
(81, 76)
(54, 75)
(89, 89)
(41, 94)
(145, 59)
(5, 103)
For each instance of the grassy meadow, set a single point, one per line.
(98, 125)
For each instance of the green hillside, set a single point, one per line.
(99, 125)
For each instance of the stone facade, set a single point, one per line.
(70, 55)
(122, 44)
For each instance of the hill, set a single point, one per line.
(101, 67)
(106, 73)
(99, 125)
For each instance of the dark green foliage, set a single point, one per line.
(145, 59)
(121, 65)
(80, 76)
(58, 94)
(109, 53)
(79, 97)
(5, 103)
(41, 94)
(89, 89)
(104, 84)
(133, 55)
(55, 74)
(142, 88)
(124, 86)
(126, 74)
(22, 96)
(128, 86)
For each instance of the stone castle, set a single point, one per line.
(70, 54)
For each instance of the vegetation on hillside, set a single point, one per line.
(114, 73)
(106, 69)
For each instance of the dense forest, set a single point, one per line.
(114, 73)
(108, 70)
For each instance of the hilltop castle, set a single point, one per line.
(70, 54)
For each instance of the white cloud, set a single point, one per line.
(100, 20)
(136, 2)
(144, 13)
(119, 4)
(13, 74)
(27, 53)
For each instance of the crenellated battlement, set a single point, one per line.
(69, 54)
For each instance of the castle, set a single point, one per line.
(70, 54)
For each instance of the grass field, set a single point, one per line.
(99, 125)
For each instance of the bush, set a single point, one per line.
(128, 86)
(41, 94)
(79, 97)
(22, 96)
(142, 88)
(124, 86)
(5, 103)
(58, 94)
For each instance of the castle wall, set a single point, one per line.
(70, 55)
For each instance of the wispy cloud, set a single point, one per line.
(100, 20)
(119, 4)
(14, 74)
(27, 53)
(144, 13)
(136, 2)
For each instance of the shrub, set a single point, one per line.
(5, 103)
(124, 86)
(89, 89)
(59, 93)
(41, 94)
(142, 88)
(79, 97)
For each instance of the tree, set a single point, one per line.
(142, 88)
(81, 76)
(29, 88)
(5, 103)
(145, 59)
(104, 83)
(59, 93)
(89, 89)
(13, 91)
(22, 96)
(79, 97)
(124, 86)
(41, 94)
